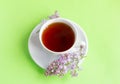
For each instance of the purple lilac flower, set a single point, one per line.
(67, 62)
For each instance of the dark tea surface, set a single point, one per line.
(58, 37)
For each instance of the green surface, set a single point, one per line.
(99, 18)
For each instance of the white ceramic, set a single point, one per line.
(41, 56)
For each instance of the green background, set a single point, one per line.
(99, 18)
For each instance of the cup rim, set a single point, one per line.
(63, 20)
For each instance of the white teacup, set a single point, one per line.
(62, 20)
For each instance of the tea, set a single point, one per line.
(58, 37)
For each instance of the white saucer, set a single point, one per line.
(42, 58)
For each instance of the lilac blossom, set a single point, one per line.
(68, 62)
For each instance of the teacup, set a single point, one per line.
(58, 36)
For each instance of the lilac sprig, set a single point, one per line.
(68, 62)
(55, 15)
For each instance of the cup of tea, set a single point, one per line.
(58, 36)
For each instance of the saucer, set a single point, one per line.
(39, 55)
